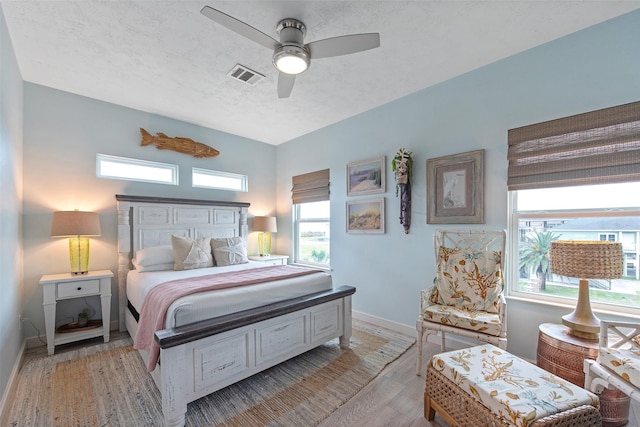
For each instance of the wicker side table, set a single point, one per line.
(563, 355)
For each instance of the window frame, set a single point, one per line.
(296, 220)
(173, 169)
(244, 179)
(512, 272)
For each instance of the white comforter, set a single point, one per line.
(210, 304)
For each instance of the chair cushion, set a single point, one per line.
(469, 279)
(625, 363)
(479, 321)
(513, 389)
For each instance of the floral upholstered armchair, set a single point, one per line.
(618, 362)
(467, 295)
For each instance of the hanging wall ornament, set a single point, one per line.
(402, 166)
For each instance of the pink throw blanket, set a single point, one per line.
(158, 300)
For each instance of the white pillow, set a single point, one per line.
(155, 258)
(229, 251)
(191, 253)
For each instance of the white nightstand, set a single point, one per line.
(56, 287)
(271, 259)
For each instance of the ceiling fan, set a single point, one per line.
(291, 56)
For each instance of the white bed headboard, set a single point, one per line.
(151, 221)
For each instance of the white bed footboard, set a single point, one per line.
(201, 358)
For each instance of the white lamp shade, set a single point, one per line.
(75, 223)
(265, 224)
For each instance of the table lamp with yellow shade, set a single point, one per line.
(585, 260)
(78, 226)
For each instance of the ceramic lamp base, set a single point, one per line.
(582, 322)
(264, 244)
(79, 255)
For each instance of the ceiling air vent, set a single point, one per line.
(242, 73)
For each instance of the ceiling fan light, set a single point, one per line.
(291, 59)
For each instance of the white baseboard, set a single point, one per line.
(453, 342)
(11, 384)
(388, 324)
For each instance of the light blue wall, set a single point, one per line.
(10, 206)
(595, 68)
(63, 133)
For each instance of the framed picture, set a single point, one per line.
(365, 216)
(455, 189)
(366, 177)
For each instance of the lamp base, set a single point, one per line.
(582, 322)
(264, 243)
(79, 255)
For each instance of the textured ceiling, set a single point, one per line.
(164, 57)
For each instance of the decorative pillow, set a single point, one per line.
(155, 267)
(155, 258)
(229, 251)
(191, 253)
(472, 280)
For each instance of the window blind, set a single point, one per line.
(311, 187)
(598, 147)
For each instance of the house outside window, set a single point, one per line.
(607, 238)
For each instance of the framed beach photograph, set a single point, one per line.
(366, 177)
(365, 216)
(455, 189)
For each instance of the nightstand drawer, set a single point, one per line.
(271, 259)
(78, 289)
(275, 262)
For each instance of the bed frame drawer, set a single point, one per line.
(222, 359)
(287, 335)
(326, 321)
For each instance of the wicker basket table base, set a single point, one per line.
(459, 409)
(563, 355)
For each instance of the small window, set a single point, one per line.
(113, 167)
(312, 225)
(205, 178)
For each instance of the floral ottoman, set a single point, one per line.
(486, 386)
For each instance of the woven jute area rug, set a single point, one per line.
(107, 385)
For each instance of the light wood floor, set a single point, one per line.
(393, 398)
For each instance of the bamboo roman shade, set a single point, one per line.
(598, 147)
(311, 187)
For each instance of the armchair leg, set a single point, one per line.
(443, 339)
(419, 344)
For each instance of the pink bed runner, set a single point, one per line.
(158, 300)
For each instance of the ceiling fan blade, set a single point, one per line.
(240, 27)
(343, 45)
(285, 84)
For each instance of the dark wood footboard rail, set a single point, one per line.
(173, 337)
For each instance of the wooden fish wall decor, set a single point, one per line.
(179, 144)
